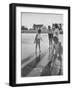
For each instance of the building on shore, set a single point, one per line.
(37, 26)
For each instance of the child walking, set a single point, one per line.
(37, 41)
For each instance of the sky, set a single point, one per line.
(28, 19)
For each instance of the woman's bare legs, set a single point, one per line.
(50, 45)
(39, 50)
(36, 50)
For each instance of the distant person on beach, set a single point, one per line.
(50, 36)
(56, 31)
(37, 40)
(53, 27)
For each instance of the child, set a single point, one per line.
(37, 41)
(58, 50)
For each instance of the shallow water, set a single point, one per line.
(28, 45)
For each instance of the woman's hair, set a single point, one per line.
(39, 31)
